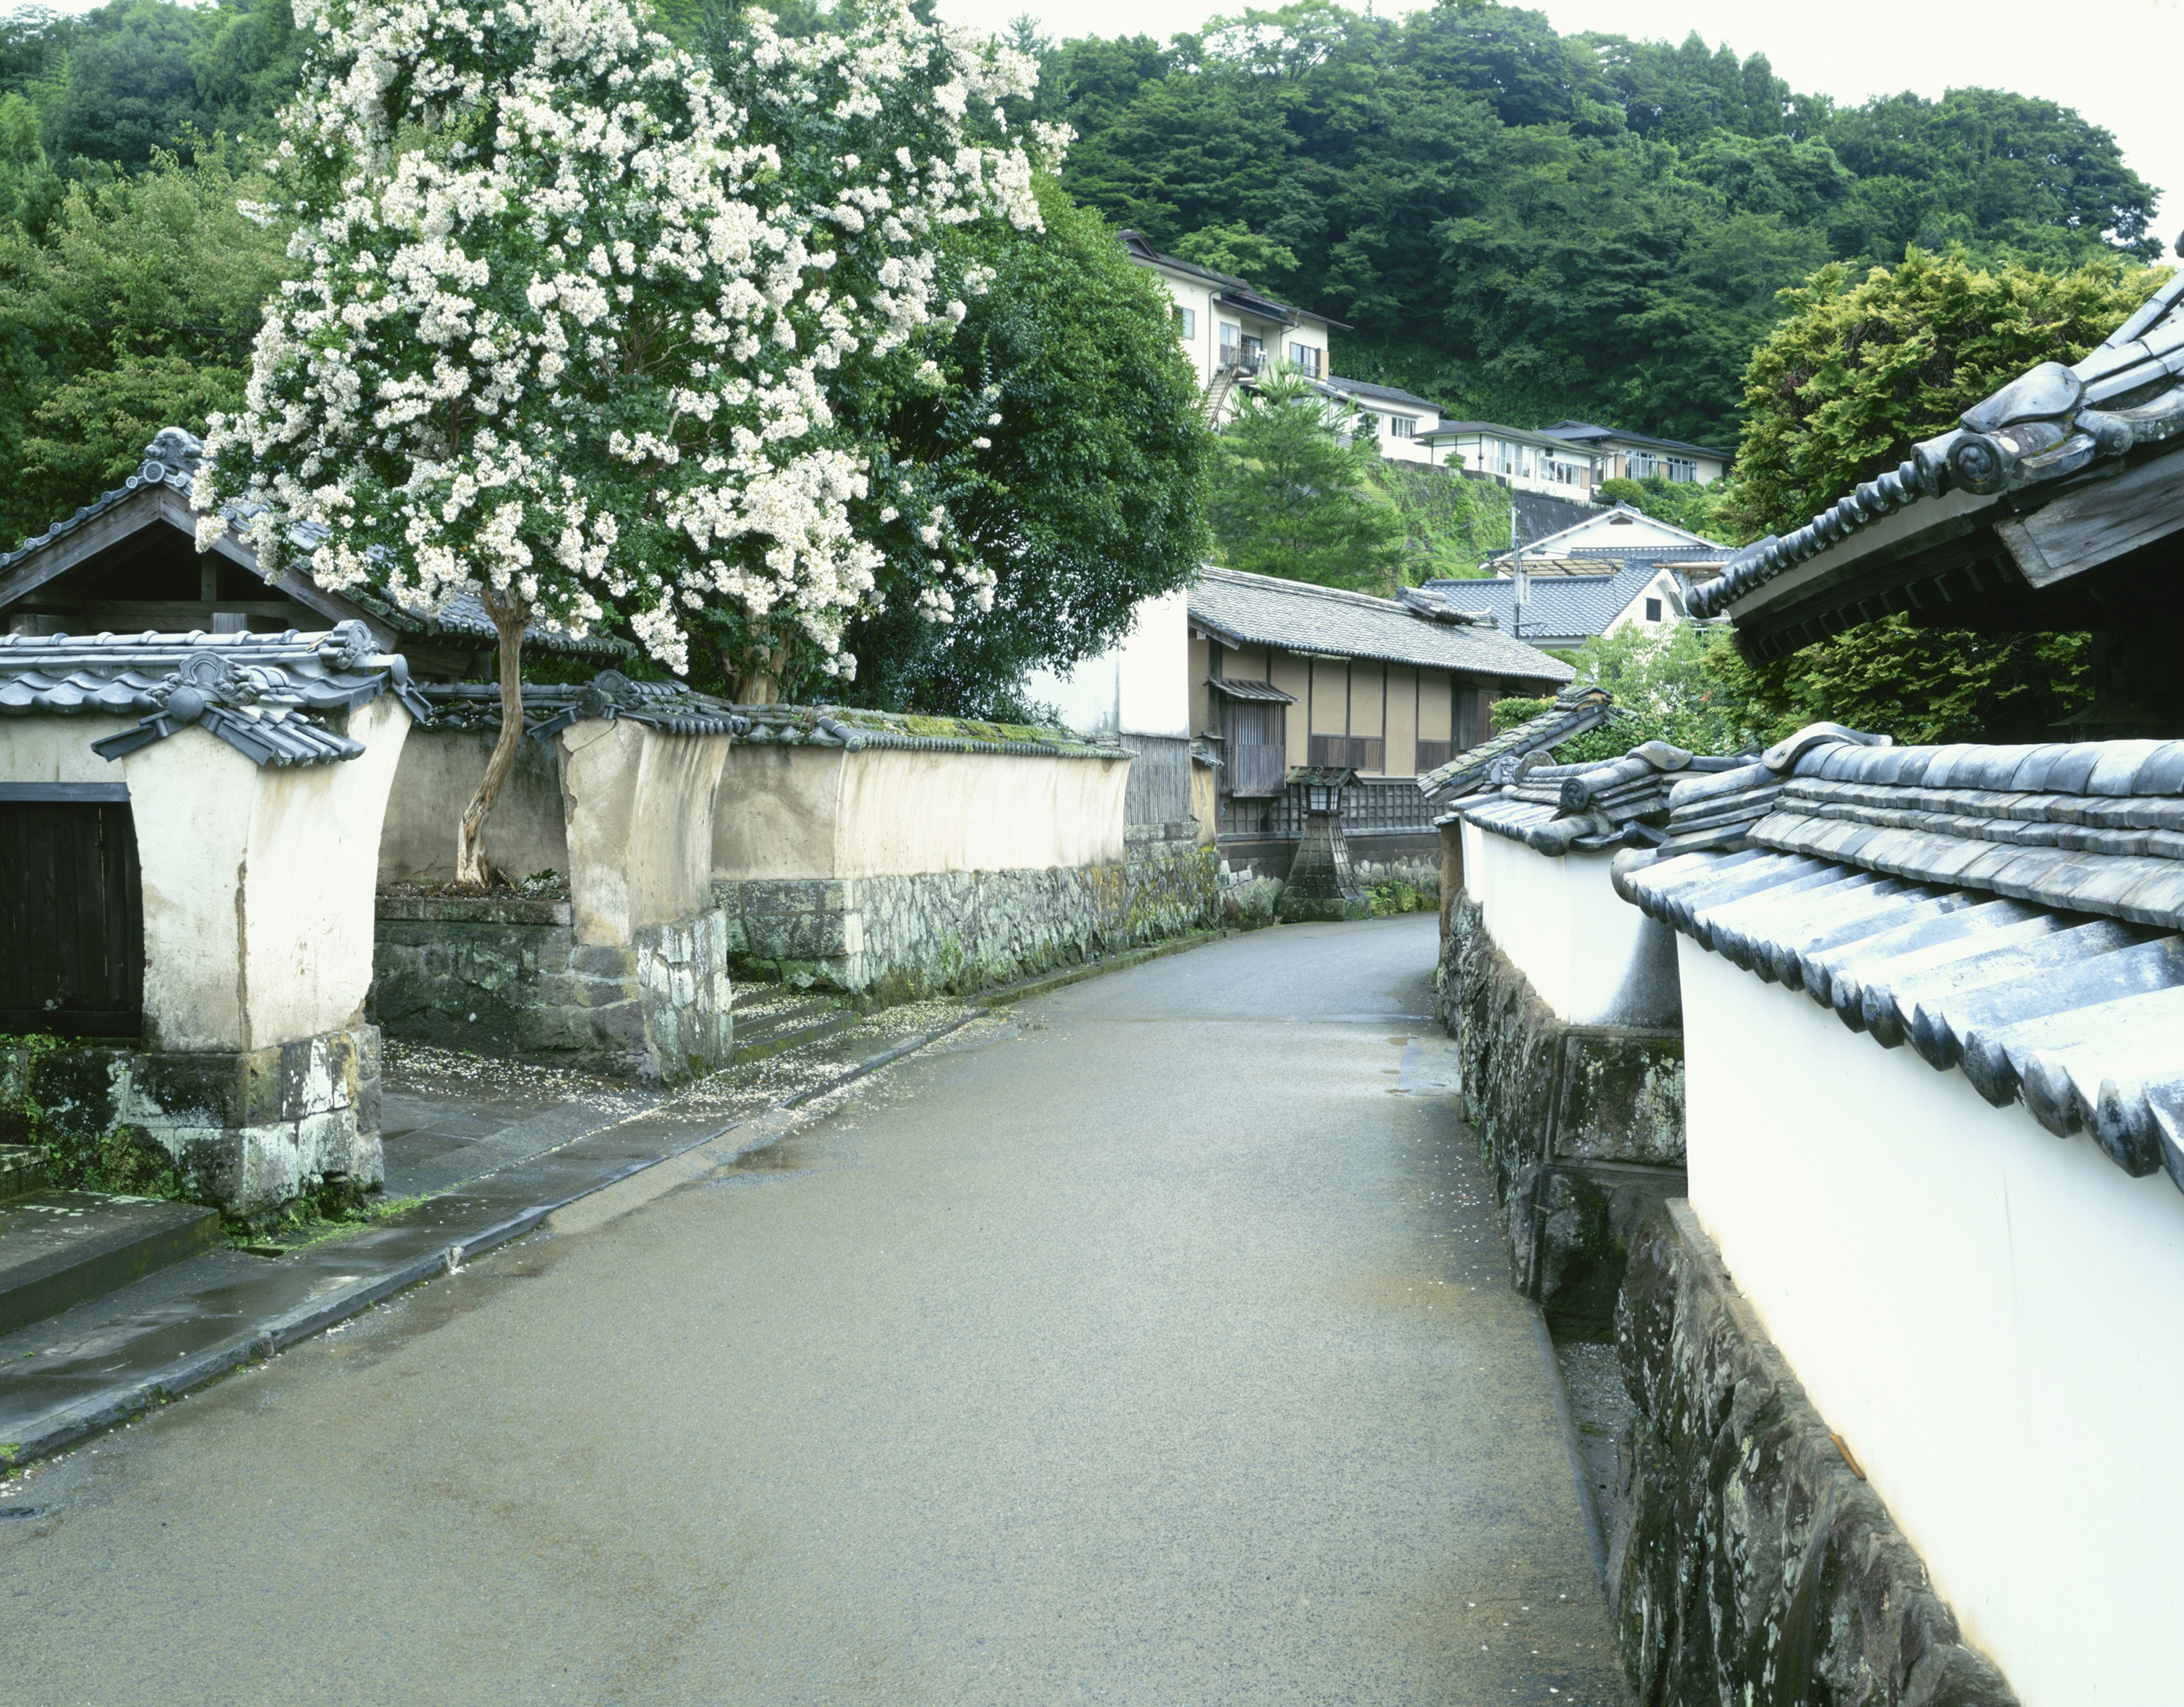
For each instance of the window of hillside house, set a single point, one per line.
(1652, 611)
(1402, 426)
(1255, 354)
(1563, 473)
(1679, 467)
(1433, 754)
(1229, 355)
(1186, 324)
(1304, 359)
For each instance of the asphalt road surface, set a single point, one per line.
(1150, 1345)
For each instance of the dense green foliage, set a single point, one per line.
(135, 311)
(1450, 524)
(1523, 226)
(1866, 364)
(1293, 491)
(1090, 498)
(1859, 371)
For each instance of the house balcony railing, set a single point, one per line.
(1392, 808)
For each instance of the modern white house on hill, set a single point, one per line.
(1232, 330)
(1616, 568)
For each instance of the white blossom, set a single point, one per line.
(573, 315)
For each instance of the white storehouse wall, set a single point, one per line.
(1594, 959)
(1986, 1314)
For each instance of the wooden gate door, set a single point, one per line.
(71, 912)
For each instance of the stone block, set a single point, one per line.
(603, 960)
(199, 1090)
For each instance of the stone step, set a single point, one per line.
(58, 1248)
(22, 1171)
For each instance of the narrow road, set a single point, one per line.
(1152, 1346)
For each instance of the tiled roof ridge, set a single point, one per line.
(263, 695)
(2074, 1015)
(2050, 424)
(1591, 806)
(1577, 708)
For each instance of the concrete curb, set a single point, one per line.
(1005, 995)
(66, 1425)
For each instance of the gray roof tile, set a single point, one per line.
(1298, 616)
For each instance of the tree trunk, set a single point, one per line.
(755, 671)
(509, 614)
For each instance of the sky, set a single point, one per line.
(2117, 67)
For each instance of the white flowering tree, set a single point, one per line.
(575, 315)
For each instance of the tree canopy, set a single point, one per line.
(1524, 225)
(1293, 491)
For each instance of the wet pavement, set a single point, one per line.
(1152, 1344)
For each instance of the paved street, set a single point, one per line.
(1150, 1344)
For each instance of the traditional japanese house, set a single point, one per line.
(128, 562)
(1285, 674)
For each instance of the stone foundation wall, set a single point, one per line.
(247, 1131)
(507, 976)
(1749, 1560)
(898, 938)
(1581, 1126)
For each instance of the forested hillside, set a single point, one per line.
(1518, 224)
(1523, 226)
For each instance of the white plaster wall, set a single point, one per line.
(825, 812)
(440, 770)
(639, 804)
(258, 881)
(1591, 957)
(1988, 1315)
(1141, 686)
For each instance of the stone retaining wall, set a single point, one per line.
(897, 938)
(507, 976)
(247, 1130)
(1401, 879)
(1749, 1561)
(1581, 1126)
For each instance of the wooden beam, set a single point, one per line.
(2096, 523)
(131, 515)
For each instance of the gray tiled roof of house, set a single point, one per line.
(2051, 423)
(262, 694)
(1591, 806)
(1366, 390)
(1562, 606)
(1576, 709)
(171, 461)
(1590, 433)
(2010, 912)
(1262, 610)
(1243, 291)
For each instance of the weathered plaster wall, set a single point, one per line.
(1580, 1126)
(800, 813)
(1976, 1307)
(1592, 958)
(899, 936)
(258, 879)
(640, 815)
(1748, 1561)
(526, 834)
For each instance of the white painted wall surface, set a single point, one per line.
(526, 834)
(1987, 1314)
(825, 812)
(1141, 686)
(1591, 957)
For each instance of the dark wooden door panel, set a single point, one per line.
(71, 920)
